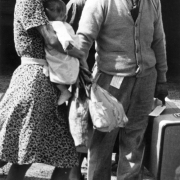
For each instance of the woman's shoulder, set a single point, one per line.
(30, 13)
(32, 2)
(22, 6)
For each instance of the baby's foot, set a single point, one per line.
(65, 95)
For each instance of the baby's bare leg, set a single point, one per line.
(65, 93)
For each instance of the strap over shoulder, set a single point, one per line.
(155, 5)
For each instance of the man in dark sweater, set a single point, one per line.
(131, 60)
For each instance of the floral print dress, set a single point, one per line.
(33, 129)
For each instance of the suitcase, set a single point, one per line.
(162, 155)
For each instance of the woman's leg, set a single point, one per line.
(17, 171)
(75, 173)
(2, 163)
(60, 174)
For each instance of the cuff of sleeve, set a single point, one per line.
(36, 25)
(161, 77)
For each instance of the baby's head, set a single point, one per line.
(55, 10)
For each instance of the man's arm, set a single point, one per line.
(73, 51)
(90, 24)
(159, 46)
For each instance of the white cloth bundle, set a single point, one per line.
(106, 111)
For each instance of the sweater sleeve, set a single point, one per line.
(90, 24)
(159, 46)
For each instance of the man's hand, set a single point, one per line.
(79, 55)
(161, 92)
(84, 64)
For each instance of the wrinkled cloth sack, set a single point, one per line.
(106, 111)
(79, 109)
(78, 119)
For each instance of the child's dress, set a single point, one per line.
(63, 69)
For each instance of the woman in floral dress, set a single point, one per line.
(33, 129)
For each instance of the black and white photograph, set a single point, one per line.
(89, 89)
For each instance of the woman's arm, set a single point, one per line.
(52, 42)
(50, 38)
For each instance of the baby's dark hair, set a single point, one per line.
(54, 5)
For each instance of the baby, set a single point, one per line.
(63, 69)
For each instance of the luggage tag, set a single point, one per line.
(116, 81)
(157, 111)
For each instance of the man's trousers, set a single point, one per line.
(136, 95)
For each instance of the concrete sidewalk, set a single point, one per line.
(41, 172)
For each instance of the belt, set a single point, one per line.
(26, 60)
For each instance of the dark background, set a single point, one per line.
(171, 19)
